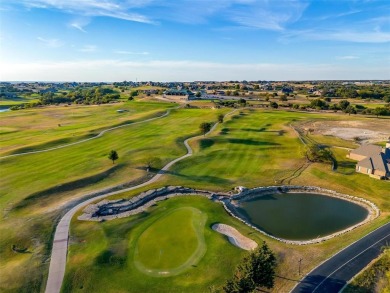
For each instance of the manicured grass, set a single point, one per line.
(172, 243)
(252, 148)
(8, 102)
(90, 240)
(41, 128)
(35, 187)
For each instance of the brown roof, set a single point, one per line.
(377, 161)
(367, 150)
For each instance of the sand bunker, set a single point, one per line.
(235, 237)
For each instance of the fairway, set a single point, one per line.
(172, 243)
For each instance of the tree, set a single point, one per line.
(273, 105)
(152, 162)
(113, 156)
(220, 118)
(256, 270)
(198, 94)
(242, 102)
(205, 127)
(350, 110)
(343, 104)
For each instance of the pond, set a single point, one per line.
(300, 216)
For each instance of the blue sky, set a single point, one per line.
(182, 40)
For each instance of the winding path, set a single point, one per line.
(332, 275)
(91, 138)
(61, 236)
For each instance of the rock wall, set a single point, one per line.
(114, 209)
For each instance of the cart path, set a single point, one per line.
(61, 237)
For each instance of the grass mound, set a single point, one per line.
(171, 244)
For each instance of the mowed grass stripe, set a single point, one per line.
(159, 138)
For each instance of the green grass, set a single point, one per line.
(8, 102)
(172, 243)
(57, 125)
(35, 186)
(90, 240)
(252, 148)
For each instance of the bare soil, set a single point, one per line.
(364, 131)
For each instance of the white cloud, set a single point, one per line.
(339, 35)
(348, 57)
(109, 8)
(80, 23)
(116, 70)
(130, 52)
(52, 43)
(88, 48)
(259, 14)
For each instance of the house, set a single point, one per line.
(179, 94)
(372, 160)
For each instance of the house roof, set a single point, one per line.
(367, 150)
(377, 161)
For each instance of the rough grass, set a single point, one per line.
(375, 278)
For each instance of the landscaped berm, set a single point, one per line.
(172, 243)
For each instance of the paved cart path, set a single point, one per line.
(333, 274)
(61, 236)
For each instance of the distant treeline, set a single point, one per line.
(90, 96)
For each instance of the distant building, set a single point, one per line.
(372, 160)
(179, 94)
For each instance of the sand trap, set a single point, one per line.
(235, 237)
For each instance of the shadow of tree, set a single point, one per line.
(320, 284)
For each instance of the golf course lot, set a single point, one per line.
(171, 244)
(252, 147)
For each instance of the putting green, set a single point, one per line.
(172, 243)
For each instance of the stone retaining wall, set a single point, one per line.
(114, 209)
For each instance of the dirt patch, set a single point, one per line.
(366, 131)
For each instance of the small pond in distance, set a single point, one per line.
(301, 216)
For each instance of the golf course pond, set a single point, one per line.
(300, 216)
(291, 214)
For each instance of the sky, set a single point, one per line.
(183, 40)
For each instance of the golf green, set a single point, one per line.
(172, 243)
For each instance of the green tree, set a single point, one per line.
(205, 127)
(343, 104)
(113, 156)
(198, 94)
(220, 118)
(350, 110)
(273, 105)
(256, 270)
(152, 163)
